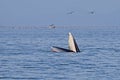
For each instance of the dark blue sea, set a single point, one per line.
(25, 54)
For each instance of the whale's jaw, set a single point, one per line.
(73, 47)
(59, 49)
(72, 43)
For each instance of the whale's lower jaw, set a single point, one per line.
(59, 49)
(73, 47)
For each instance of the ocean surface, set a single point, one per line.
(25, 54)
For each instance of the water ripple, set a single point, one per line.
(26, 55)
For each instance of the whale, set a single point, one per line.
(59, 49)
(72, 45)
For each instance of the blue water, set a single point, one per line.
(25, 54)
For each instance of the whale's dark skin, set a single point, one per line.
(59, 49)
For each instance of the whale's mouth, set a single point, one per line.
(72, 44)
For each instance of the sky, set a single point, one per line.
(60, 12)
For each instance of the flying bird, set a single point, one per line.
(92, 12)
(71, 12)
